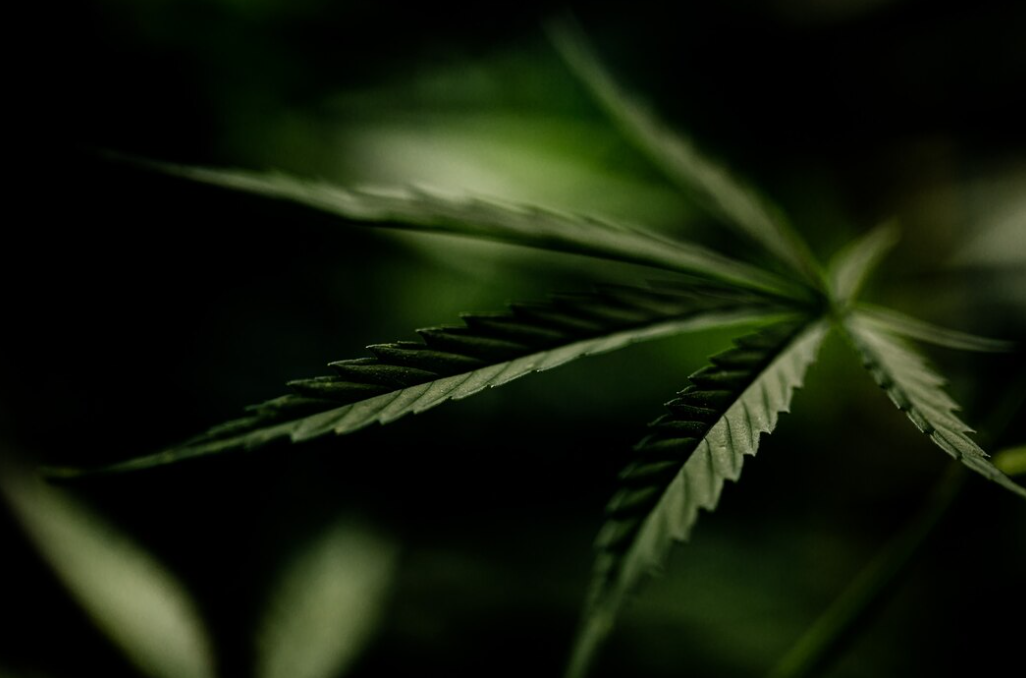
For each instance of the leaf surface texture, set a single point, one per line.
(918, 391)
(721, 193)
(682, 465)
(424, 210)
(853, 264)
(906, 326)
(451, 363)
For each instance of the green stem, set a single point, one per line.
(829, 635)
(833, 630)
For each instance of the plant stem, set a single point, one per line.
(836, 628)
(829, 635)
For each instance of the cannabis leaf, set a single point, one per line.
(852, 265)
(456, 362)
(918, 391)
(902, 325)
(421, 209)
(876, 334)
(722, 194)
(682, 465)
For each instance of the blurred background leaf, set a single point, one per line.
(1012, 460)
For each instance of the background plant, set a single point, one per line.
(576, 471)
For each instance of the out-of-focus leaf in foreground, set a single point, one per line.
(131, 597)
(327, 605)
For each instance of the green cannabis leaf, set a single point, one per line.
(902, 325)
(850, 267)
(723, 194)
(423, 209)
(918, 391)
(682, 465)
(456, 362)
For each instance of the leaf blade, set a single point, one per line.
(413, 377)
(917, 391)
(850, 268)
(722, 194)
(729, 405)
(906, 326)
(422, 210)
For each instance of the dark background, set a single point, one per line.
(141, 309)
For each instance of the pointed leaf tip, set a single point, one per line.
(682, 465)
(851, 267)
(452, 363)
(908, 327)
(917, 390)
(430, 211)
(721, 193)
